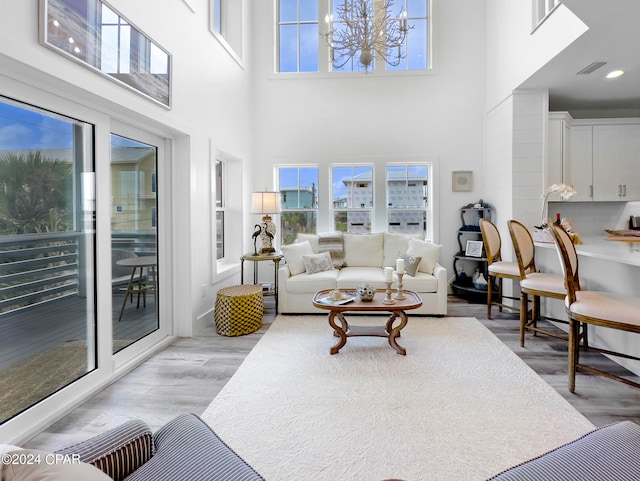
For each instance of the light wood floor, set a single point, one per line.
(187, 375)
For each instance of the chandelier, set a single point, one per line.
(361, 28)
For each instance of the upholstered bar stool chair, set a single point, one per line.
(497, 268)
(533, 283)
(591, 307)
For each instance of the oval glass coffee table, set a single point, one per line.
(352, 303)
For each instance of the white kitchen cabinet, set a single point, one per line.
(616, 156)
(598, 157)
(581, 163)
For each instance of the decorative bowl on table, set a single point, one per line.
(366, 292)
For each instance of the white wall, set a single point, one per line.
(513, 53)
(438, 116)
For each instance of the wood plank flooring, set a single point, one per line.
(187, 375)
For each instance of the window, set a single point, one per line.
(408, 198)
(352, 198)
(542, 9)
(95, 35)
(225, 24)
(220, 208)
(298, 36)
(298, 188)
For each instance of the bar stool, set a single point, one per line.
(497, 268)
(533, 283)
(591, 307)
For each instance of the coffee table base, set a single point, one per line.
(343, 330)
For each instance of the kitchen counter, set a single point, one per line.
(598, 247)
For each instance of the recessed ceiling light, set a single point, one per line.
(615, 73)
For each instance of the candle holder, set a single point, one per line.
(388, 299)
(399, 295)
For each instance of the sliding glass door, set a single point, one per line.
(134, 237)
(47, 258)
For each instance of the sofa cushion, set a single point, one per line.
(117, 452)
(352, 277)
(395, 243)
(429, 252)
(314, 240)
(331, 242)
(315, 263)
(421, 283)
(293, 256)
(307, 284)
(607, 453)
(187, 449)
(363, 250)
(42, 465)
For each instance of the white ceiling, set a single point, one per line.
(613, 37)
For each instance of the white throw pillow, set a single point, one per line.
(394, 243)
(293, 256)
(429, 252)
(315, 263)
(314, 240)
(363, 250)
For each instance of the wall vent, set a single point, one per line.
(591, 68)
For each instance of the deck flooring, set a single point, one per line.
(187, 375)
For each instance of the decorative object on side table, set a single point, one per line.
(366, 292)
(388, 280)
(266, 203)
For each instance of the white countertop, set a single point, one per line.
(600, 248)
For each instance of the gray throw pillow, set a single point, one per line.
(411, 263)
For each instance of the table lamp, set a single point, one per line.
(266, 203)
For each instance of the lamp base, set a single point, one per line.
(267, 250)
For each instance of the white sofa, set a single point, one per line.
(344, 261)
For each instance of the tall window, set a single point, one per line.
(301, 48)
(220, 208)
(225, 24)
(298, 36)
(352, 198)
(47, 258)
(407, 198)
(298, 188)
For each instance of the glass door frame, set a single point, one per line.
(166, 328)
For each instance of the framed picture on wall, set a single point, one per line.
(474, 249)
(462, 181)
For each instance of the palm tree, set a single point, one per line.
(32, 194)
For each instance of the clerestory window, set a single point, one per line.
(302, 45)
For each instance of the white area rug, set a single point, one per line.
(459, 406)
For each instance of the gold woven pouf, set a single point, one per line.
(239, 310)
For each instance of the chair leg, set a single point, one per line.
(573, 353)
(535, 314)
(500, 292)
(489, 295)
(523, 316)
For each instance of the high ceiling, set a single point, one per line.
(613, 37)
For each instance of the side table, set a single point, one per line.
(275, 257)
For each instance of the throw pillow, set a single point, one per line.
(315, 263)
(313, 239)
(411, 263)
(363, 250)
(34, 465)
(429, 252)
(394, 243)
(293, 256)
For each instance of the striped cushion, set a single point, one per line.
(610, 453)
(117, 452)
(188, 450)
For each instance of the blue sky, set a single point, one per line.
(26, 129)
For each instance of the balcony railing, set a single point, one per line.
(37, 268)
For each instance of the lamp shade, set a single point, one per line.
(265, 203)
